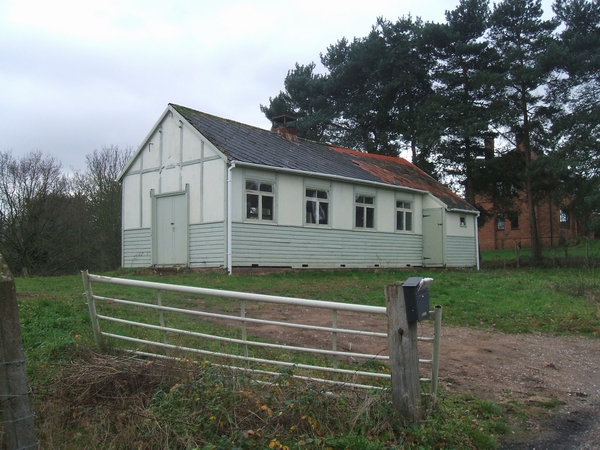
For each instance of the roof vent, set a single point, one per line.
(285, 126)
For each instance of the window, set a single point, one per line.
(463, 221)
(403, 216)
(514, 221)
(260, 200)
(564, 218)
(317, 207)
(500, 223)
(365, 211)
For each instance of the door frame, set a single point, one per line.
(154, 197)
(442, 238)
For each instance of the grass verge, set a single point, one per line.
(142, 405)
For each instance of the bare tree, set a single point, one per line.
(33, 227)
(99, 187)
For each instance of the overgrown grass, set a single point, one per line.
(117, 402)
(202, 407)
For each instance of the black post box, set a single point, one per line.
(416, 298)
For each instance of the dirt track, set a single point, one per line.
(534, 370)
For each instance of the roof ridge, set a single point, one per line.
(176, 106)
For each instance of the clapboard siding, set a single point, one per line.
(460, 251)
(207, 245)
(137, 247)
(264, 245)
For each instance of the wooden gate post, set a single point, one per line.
(404, 359)
(17, 415)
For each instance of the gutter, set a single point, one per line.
(466, 211)
(345, 179)
(229, 220)
(477, 240)
(324, 175)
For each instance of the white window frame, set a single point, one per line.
(360, 202)
(501, 222)
(319, 202)
(261, 195)
(402, 208)
(564, 218)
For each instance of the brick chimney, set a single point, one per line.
(285, 126)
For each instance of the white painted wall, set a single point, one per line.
(342, 208)
(453, 227)
(289, 200)
(214, 191)
(175, 155)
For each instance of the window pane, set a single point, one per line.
(408, 224)
(399, 220)
(311, 193)
(323, 213)
(500, 222)
(369, 200)
(360, 217)
(322, 194)
(370, 217)
(267, 208)
(564, 216)
(251, 185)
(311, 208)
(406, 205)
(264, 187)
(252, 206)
(360, 199)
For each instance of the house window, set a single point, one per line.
(365, 211)
(463, 221)
(514, 221)
(403, 216)
(260, 200)
(317, 207)
(500, 223)
(564, 219)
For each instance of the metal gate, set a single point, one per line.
(335, 362)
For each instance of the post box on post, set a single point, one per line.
(416, 298)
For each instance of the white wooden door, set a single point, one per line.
(171, 231)
(433, 237)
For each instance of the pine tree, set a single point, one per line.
(465, 63)
(577, 94)
(521, 38)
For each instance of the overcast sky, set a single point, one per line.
(79, 75)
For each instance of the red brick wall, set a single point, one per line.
(550, 231)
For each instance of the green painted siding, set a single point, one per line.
(283, 246)
(461, 251)
(207, 245)
(137, 247)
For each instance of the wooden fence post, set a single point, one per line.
(404, 359)
(17, 415)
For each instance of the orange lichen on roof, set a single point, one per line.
(401, 172)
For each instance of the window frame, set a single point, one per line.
(564, 218)
(501, 219)
(513, 218)
(261, 194)
(405, 211)
(366, 207)
(319, 201)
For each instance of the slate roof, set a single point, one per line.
(248, 144)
